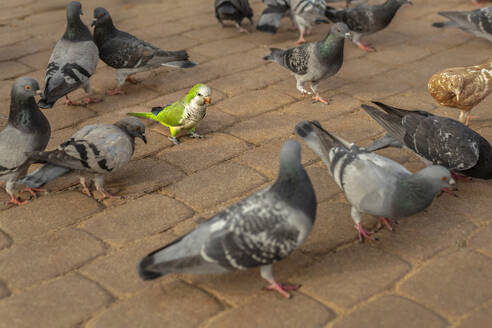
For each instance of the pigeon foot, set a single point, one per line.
(365, 47)
(33, 191)
(300, 41)
(115, 91)
(364, 233)
(282, 288)
(318, 98)
(447, 191)
(91, 100)
(68, 102)
(387, 222)
(132, 79)
(16, 201)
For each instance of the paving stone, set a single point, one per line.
(215, 120)
(47, 213)
(13, 37)
(254, 102)
(391, 311)
(4, 291)
(117, 263)
(324, 185)
(5, 240)
(355, 69)
(135, 94)
(142, 217)
(12, 69)
(479, 318)
(238, 287)
(266, 157)
(224, 47)
(202, 153)
(269, 311)
(208, 187)
(48, 256)
(23, 48)
(80, 296)
(38, 60)
(419, 237)
(412, 99)
(351, 275)
(376, 87)
(333, 227)
(62, 116)
(143, 176)
(174, 302)
(481, 240)
(453, 284)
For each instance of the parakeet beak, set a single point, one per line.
(207, 100)
(94, 22)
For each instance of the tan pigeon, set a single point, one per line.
(462, 87)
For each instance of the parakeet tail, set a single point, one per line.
(144, 115)
(43, 175)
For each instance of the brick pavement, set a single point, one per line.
(69, 261)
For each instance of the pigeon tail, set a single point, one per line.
(391, 122)
(384, 142)
(334, 14)
(42, 103)
(43, 175)
(143, 271)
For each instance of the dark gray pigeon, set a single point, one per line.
(72, 62)
(27, 130)
(304, 14)
(97, 149)
(234, 10)
(365, 19)
(128, 54)
(257, 231)
(314, 61)
(374, 184)
(477, 22)
(436, 140)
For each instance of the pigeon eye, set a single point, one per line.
(28, 87)
(444, 178)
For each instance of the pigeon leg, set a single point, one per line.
(241, 29)
(121, 77)
(85, 189)
(362, 232)
(301, 39)
(301, 89)
(387, 222)
(267, 274)
(87, 89)
(132, 79)
(468, 117)
(33, 191)
(99, 182)
(365, 47)
(68, 102)
(447, 191)
(317, 97)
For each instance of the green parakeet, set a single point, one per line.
(185, 113)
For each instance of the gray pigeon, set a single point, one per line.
(234, 10)
(95, 149)
(257, 231)
(72, 62)
(128, 54)
(304, 14)
(477, 22)
(365, 19)
(374, 184)
(314, 61)
(435, 139)
(27, 130)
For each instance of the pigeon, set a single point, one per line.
(462, 87)
(437, 140)
(72, 62)
(27, 130)
(372, 183)
(234, 10)
(128, 54)
(365, 19)
(304, 14)
(97, 149)
(314, 61)
(477, 22)
(257, 231)
(185, 113)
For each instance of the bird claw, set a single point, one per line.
(300, 41)
(447, 191)
(282, 288)
(132, 80)
(91, 100)
(196, 135)
(363, 233)
(115, 91)
(387, 222)
(320, 99)
(366, 47)
(174, 140)
(33, 191)
(15, 201)
(107, 195)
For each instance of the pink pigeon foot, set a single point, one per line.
(363, 233)
(467, 121)
(16, 201)
(115, 91)
(33, 191)
(387, 222)
(68, 102)
(365, 47)
(317, 97)
(107, 195)
(447, 191)
(460, 177)
(132, 79)
(282, 288)
(300, 41)
(91, 100)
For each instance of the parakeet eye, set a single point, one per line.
(199, 95)
(28, 87)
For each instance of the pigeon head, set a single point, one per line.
(74, 9)
(25, 88)
(341, 30)
(199, 95)
(133, 126)
(101, 16)
(438, 176)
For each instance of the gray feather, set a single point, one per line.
(477, 22)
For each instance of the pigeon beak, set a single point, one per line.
(94, 22)
(410, 2)
(39, 92)
(452, 182)
(81, 12)
(348, 35)
(207, 100)
(142, 136)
